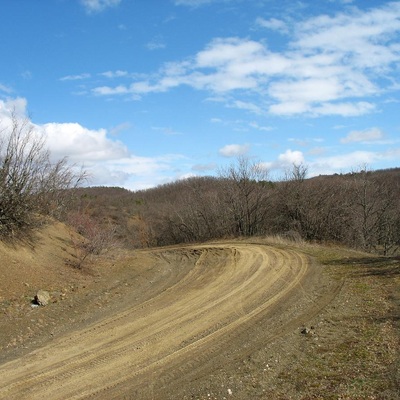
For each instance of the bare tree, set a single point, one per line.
(296, 173)
(246, 196)
(291, 200)
(30, 184)
(374, 221)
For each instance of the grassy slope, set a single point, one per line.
(353, 352)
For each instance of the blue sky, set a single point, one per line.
(144, 92)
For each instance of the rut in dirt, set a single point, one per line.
(231, 297)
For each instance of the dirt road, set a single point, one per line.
(216, 304)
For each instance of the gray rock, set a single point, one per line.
(308, 331)
(42, 298)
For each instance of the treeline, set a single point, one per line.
(360, 209)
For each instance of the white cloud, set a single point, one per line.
(234, 150)
(306, 91)
(344, 162)
(319, 164)
(156, 44)
(204, 167)
(228, 51)
(368, 135)
(4, 88)
(16, 106)
(317, 151)
(255, 125)
(114, 74)
(273, 24)
(314, 75)
(111, 91)
(254, 108)
(108, 161)
(290, 157)
(289, 108)
(350, 161)
(166, 130)
(26, 74)
(133, 172)
(344, 109)
(116, 130)
(284, 161)
(81, 144)
(75, 77)
(364, 38)
(324, 165)
(94, 6)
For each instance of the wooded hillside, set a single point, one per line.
(360, 209)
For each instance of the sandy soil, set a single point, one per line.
(217, 320)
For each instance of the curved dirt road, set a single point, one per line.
(231, 298)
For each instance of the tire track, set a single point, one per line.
(227, 289)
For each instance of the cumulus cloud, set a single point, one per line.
(234, 150)
(290, 157)
(352, 160)
(368, 135)
(81, 144)
(95, 6)
(365, 38)
(133, 172)
(108, 161)
(284, 161)
(345, 162)
(15, 106)
(312, 75)
(318, 162)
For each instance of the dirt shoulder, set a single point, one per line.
(350, 349)
(240, 320)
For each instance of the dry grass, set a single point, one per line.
(354, 351)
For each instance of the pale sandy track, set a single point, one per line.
(233, 297)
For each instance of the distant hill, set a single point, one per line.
(359, 209)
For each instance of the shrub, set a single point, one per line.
(92, 238)
(31, 185)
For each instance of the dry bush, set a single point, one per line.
(31, 185)
(92, 239)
